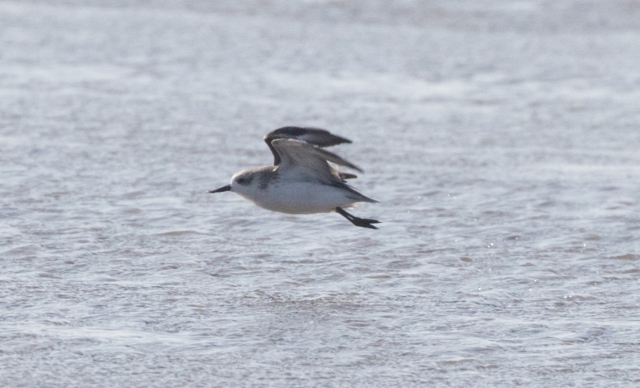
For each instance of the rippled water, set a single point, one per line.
(501, 139)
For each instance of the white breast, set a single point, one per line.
(301, 197)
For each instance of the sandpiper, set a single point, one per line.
(303, 178)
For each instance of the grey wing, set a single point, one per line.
(315, 136)
(301, 159)
(307, 159)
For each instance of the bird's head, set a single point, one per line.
(244, 183)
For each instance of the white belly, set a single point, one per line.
(302, 198)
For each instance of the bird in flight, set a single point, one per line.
(303, 178)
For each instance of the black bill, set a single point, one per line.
(222, 189)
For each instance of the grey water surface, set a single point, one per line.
(501, 138)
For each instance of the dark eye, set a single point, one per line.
(244, 180)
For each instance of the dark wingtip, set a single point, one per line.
(345, 175)
(221, 189)
(315, 136)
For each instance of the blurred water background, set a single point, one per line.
(500, 137)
